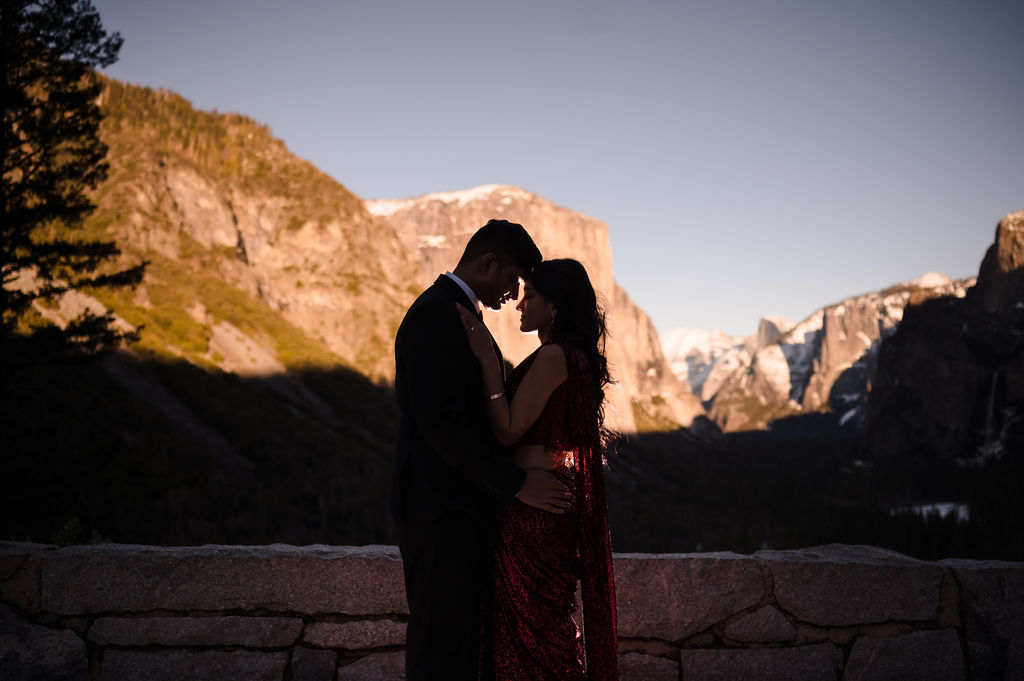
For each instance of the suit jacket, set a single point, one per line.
(447, 456)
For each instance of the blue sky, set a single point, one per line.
(751, 158)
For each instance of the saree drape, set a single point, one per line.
(536, 558)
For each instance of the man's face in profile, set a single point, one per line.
(503, 286)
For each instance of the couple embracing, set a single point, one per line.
(499, 488)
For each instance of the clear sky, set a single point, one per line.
(751, 158)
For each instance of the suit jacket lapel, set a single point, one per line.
(458, 295)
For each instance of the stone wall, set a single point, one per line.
(320, 613)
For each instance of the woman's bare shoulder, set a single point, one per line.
(551, 358)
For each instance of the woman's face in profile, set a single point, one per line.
(536, 312)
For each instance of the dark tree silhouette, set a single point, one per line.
(51, 156)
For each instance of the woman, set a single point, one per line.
(549, 414)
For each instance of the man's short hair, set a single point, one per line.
(508, 241)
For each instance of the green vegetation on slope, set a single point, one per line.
(230, 148)
(169, 331)
(154, 135)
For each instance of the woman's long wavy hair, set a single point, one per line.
(578, 318)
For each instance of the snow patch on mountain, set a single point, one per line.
(386, 207)
(433, 241)
(693, 353)
(800, 345)
(931, 280)
(826, 361)
(705, 359)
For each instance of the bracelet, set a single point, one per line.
(495, 395)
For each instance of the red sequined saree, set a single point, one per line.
(528, 630)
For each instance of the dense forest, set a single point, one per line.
(90, 461)
(803, 485)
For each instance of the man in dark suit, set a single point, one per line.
(450, 474)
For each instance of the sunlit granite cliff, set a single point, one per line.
(216, 195)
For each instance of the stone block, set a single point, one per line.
(107, 578)
(9, 564)
(764, 625)
(920, 656)
(19, 573)
(207, 665)
(29, 652)
(12, 555)
(357, 634)
(992, 604)
(672, 596)
(820, 662)
(313, 665)
(841, 585)
(640, 667)
(375, 667)
(14, 550)
(21, 586)
(950, 616)
(229, 630)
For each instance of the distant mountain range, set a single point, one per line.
(824, 363)
(705, 358)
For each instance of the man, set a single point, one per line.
(450, 474)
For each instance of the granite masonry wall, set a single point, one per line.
(322, 613)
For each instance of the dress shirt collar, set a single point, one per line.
(477, 306)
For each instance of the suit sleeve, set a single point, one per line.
(437, 364)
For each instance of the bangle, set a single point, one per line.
(495, 395)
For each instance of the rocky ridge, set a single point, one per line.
(704, 359)
(825, 362)
(950, 380)
(437, 227)
(217, 194)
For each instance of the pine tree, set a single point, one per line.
(51, 156)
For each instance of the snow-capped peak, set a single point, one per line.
(384, 207)
(692, 353)
(678, 342)
(930, 280)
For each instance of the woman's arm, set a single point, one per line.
(433, 374)
(510, 421)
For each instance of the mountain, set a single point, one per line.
(246, 412)
(704, 359)
(437, 226)
(950, 380)
(825, 362)
(216, 195)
